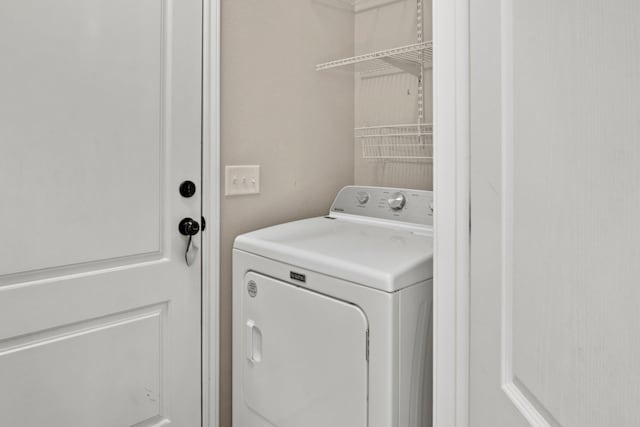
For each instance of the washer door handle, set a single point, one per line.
(254, 342)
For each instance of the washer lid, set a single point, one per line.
(376, 256)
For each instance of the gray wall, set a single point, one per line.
(278, 112)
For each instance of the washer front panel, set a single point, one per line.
(305, 356)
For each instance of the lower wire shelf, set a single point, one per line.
(404, 142)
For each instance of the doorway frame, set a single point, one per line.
(210, 210)
(451, 216)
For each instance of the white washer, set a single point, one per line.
(332, 316)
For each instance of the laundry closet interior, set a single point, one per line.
(221, 213)
(320, 94)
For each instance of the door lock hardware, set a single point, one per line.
(189, 227)
(187, 188)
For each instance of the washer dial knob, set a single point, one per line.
(362, 197)
(397, 201)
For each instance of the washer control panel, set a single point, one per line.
(397, 201)
(398, 204)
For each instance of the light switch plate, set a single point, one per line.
(240, 180)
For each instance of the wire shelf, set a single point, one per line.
(359, 5)
(409, 142)
(411, 59)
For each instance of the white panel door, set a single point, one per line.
(555, 200)
(305, 354)
(100, 121)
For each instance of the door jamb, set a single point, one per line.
(210, 210)
(451, 216)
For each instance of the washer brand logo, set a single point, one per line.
(297, 276)
(252, 288)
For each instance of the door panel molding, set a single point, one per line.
(516, 391)
(118, 342)
(66, 332)
(89, 268)
(155, 35)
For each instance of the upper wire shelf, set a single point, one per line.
(410, 142)
(358, 5)
(410, 59)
